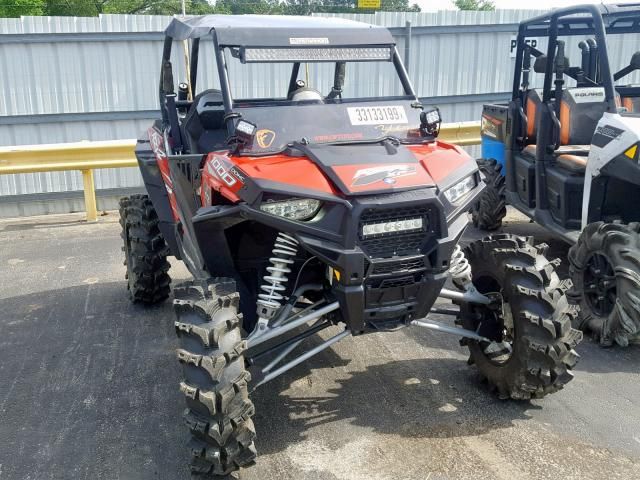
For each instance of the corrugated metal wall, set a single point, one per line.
(69, 79)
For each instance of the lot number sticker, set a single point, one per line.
(382, 115)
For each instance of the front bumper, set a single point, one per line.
(381, 281)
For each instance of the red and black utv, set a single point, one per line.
(319, 199)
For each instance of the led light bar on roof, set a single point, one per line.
(324, 54)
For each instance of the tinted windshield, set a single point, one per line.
(321, 101)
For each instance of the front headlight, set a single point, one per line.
(294, 209)
(460, 189)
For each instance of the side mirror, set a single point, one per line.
(635, 61)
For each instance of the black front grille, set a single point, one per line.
(400, 266)
(396, 282)
(396, 244)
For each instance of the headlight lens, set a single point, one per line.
(394, 226)
(460, 189)
(294, 209)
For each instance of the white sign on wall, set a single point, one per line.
(532, 41)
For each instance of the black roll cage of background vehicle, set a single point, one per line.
(597, 20)
(195, 29)
(561, 23)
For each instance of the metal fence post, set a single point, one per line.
(90, 204)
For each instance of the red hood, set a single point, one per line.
(352, 174)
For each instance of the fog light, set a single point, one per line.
(394, 226)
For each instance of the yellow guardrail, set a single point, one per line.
(89, 156)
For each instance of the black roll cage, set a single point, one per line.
(597, 20)
(225, 86)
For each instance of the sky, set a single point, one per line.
(431, 5)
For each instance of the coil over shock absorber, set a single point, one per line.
(284, 249)
(459, 268)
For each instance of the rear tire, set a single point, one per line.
(211, 350)
(487, 213)
(605, 269)
(145, 251)
(534, 322)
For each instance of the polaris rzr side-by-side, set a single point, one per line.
(570, 156)
(328, 204)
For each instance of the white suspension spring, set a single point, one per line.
(284, 248)
(459, 268)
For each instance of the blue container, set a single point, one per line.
(492, 148)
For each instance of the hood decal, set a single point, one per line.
(367, 168)
(385, 173)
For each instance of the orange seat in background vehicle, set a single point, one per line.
(632, 104)
(580, 111)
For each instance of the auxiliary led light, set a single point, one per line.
(394, 226)
(327, 54)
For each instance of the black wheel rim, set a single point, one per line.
(491, 323)
(600, 285)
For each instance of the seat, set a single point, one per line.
(580, 111)
(203, 125)
(574, 163)
(534, 101)
(569, 157)
(632, 104)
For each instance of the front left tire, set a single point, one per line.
(214, 383)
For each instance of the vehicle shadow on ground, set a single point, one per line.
(83, 363)
(423, 398)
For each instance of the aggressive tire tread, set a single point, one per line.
(145, 250)
(219, 411)
(620, 244)
(543, 348)
(487, 213)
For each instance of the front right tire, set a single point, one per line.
(491, 208)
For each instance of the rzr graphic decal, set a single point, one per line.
(217, 167)
(221, 175)
(156, 141)
(386, 174)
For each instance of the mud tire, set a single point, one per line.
(145, 251)
(543, 340)
(619, 244)
(487, 213)
(214, 384)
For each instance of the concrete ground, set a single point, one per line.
(88, 388)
